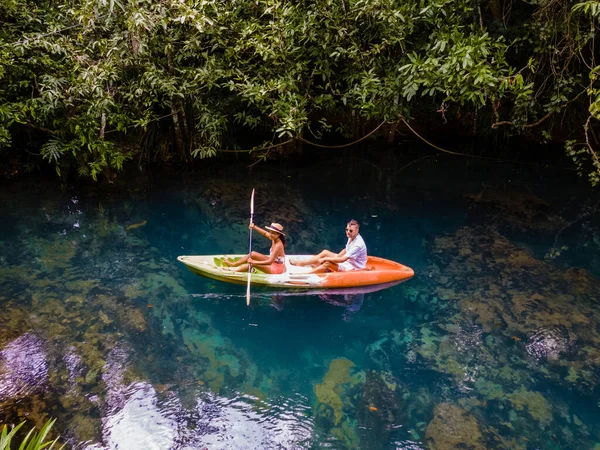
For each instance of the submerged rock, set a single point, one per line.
(452, 428)
(520, 210)
(378, 410)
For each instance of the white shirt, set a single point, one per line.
(357, 252)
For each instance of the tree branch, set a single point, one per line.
(36, 127)
(532, 125)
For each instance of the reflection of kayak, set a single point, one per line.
(286, 291)
(378, 271)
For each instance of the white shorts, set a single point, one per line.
(346, 267)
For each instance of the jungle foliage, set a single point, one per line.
(91, 84)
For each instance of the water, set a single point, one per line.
(495, 343)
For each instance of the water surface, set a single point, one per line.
(495, 343)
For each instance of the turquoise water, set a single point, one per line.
(495, 343)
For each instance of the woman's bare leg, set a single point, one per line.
(230, 263)
(244, 268)
(241, 266)
(256, 257)
(244, 259)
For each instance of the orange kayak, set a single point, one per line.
(378, 271)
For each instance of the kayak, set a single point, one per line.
(378, 271)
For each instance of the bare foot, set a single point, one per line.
(296, 263)
(227, 262)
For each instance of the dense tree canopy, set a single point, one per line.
(89, 84)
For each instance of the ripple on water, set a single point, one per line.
(74, 365)
(143, 422)
(141, 418)
(550, 343)
(23, 367)
(244, 422)
(112, 375)
(408, 445)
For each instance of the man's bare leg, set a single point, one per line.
(325, 267)
(313, 260)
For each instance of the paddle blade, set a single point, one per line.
(252, 203)
(248, 291)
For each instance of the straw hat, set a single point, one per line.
(275, 227)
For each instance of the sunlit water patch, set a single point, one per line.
(23, 367)
(551, 343)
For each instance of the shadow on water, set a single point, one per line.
(493, 344)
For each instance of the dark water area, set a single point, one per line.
(495, 343)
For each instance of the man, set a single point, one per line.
(352, 257)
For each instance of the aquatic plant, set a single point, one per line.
(34, 440)
(535, 404)
(337, 379)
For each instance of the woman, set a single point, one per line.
(274, 263)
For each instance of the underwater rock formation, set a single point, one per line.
(452, 428)
(517, 298)
(378, 410)
(518, 209)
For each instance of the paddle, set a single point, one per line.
(250, 249)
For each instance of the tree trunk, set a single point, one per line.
(391, 133)
(179, 141)
(102, 126)
(107, 172)
(186, 130)
(179, 138)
